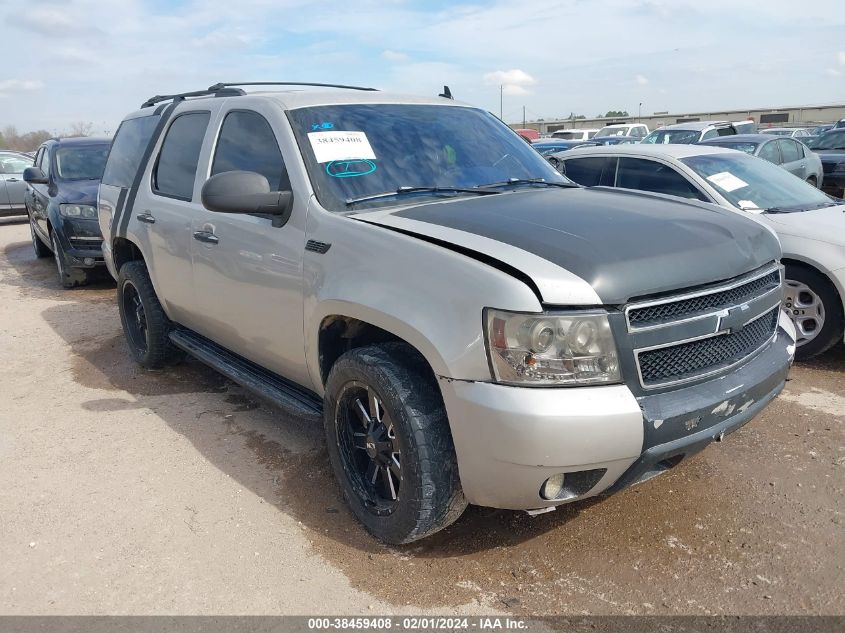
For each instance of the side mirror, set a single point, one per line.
(246, 192)
(34, 176)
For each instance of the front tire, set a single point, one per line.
(145, 325)
(390, 445)
(69, 277)
(40, 248)
(816, 310)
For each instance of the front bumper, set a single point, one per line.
(81, 241)
(509, 440)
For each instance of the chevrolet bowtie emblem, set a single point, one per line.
(732, 320)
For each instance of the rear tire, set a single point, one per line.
(145, 325)
(816, 310)
(68, 277)
(389, 443)
(40, 248)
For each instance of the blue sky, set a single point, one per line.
(88, 60)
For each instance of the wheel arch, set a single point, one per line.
(125, 250)
(341, 326)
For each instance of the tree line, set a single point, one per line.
(10, 138)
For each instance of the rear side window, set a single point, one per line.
(770, 152)
(649, 175)
(588, 171)
(127, 149)
(247, 143)
(177, 162)
(790, 151)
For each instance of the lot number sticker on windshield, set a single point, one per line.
(727, 181)
(329, 146)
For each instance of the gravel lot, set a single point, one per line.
(130, 492)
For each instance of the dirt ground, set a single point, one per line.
(126, 491)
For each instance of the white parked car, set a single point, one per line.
(809, 223)
(634, 130)
(575, 135)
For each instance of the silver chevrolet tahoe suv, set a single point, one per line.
(470, 326)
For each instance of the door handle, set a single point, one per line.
(13, 180)
(206, 237)
(146, 217)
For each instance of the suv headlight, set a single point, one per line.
(553, 348)
(85, 211)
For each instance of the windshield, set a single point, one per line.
(831, 140)
(661, 137)
(569, 135)
(753, 183)
(777, 132)
(81, 163)
(360, 150)
(613, 131)
(748, 148)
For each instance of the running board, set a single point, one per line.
(271, 387)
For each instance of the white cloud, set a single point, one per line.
(20, 85)
(642, 80)
(395, 57)
(50, 21)
(513, 82)
(841, 58)
(832, 72)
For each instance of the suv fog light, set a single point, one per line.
(88, 261)
(552, 486)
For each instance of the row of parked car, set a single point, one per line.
(748, 173)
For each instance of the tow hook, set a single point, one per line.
(534, 513)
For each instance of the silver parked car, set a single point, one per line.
(12, 186)
(794, 132)
(468, 325)
(792, 155)
(809, 223)
(691, 132)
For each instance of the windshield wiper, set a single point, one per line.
(798, 208)
(531, 181)
(402, 191)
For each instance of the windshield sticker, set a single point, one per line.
(329, 146)
(748, 205)
(726, 181)
(350, 168)
(325, 125)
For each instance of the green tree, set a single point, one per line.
(612, 114)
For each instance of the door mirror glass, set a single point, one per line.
(246, 192)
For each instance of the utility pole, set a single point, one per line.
(501, 102)
(640, 112)
(523, 117)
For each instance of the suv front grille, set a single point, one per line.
(652, 315)
(678, 362)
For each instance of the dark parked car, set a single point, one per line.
(61, 200)
(12, 186)
(553, 146)
(614, 140)
(789, 153)
(830, 147)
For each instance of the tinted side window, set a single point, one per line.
(588, 171)
(649, 175)
(770, 152)
(789, 150)
(709, 134)
(177, 162)
(247, 143)
(127, 150)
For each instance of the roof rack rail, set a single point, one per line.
(217, 92)
(221, 86)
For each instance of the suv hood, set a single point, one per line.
(622, 244)
(78, 191)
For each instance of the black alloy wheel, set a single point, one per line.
(369, 448)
